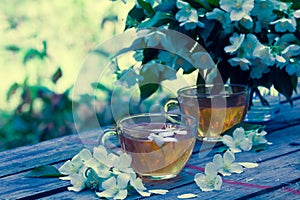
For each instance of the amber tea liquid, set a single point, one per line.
(213, 121)
(151, 160)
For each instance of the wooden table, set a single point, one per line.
(276, 177)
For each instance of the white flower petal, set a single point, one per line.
(181, 132)
(159, 191)
(229, 157)
(236, 168)
(210, 169)
(124, 161)
(248, 164)
(109, 183)
(218, 183)
(224, 172)
(143, 193)
(85, 154)
(106, 193)
(166, 134)
(122, 194)
(66, 168)
(246, 144)
(218, 161)
(169, 139)
(228, 141)
(239, 134)
(235, 150)
(123, 180)
(137, 184)
(187, 196)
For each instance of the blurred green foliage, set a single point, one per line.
(42, 45)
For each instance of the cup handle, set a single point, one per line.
(103, 138)
(172, 102)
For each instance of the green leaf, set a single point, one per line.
(213, 2)
(147, 7)
(294, 80)
(12, 90)
(30, 54)
(135, 17)
(13, 48)
(57, 75)
(44, 171)
(147, 90)
(278, 78)
(160, 18)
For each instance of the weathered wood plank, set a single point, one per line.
(280, 147)
(271, 174)
(48, 152)
(289, 192)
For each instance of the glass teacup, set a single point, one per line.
(217, 107)
(160, 144)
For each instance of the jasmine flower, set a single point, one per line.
(246, 22)
(74, 165)
(264, 54)
(225, 165)
(115, 187)
(138, 185)
(187, 15)
(238, 141)
(99, 168)
(123, 164)
(78, 182)
(162, 137)
(285, 24)
(242, 62)
(236, 41)
(237, 8)
(210, 180)
(258, 138)
(249, 45)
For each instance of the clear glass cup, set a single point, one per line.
(160, 144)
(217, 107)
(265, 105)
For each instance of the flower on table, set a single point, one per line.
(226, 165)
(123, 164)
(258, 138)
(138, 185)
(78, 182)
(109, 174)
(210, 180)
(115, 188)
(74, 165)
(238, 141)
